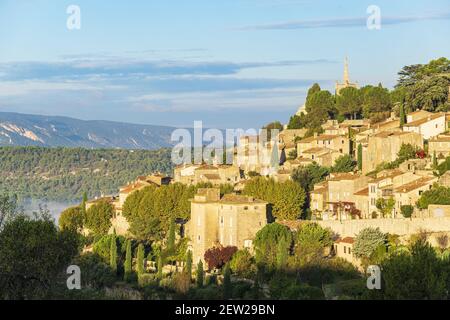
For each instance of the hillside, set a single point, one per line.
(18, 129)
(63, 174)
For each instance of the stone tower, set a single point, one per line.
(346, 81)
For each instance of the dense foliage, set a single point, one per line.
(286, 198)
(437, 195)
(32, 255)
(64, 174)
(217, 257)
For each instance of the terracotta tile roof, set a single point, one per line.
(344, 176)
(317, 150)
(206, 167)
(319, 138)
(392, 174)
(363, 192)
(386, 134)
(133, 187)
(408, 187)
(240, 199)
(424, 120)
(349, 240)
(211, 176)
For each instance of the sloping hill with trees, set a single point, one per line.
(64, 174)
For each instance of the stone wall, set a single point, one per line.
(402, 227)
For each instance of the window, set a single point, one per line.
(199, 221)
(221, 220)
(349, 250)
(198, 239)
(345, 249)
(231, 239)
(245, 208)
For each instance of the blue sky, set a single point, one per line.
(234, 63)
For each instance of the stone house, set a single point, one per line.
(231, 220)
(384, 147)
(409, 193)
(440, 145)
(337, 143)
(428, 127)
(343, 248)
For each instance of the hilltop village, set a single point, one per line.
(371, 190)
(355, 179)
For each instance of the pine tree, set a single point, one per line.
(227, 282)
(360, 156)
(113, 253)
(188, 266)
(128, 258)
(402, 115)
(200, 274)
(171, 238)
(140, 259)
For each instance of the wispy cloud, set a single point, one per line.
(82, 68)
(342, 22)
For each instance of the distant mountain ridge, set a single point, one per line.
(17, 129)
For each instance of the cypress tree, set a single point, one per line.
(402, 115)
(227, 282)
(160, 266)
(128, 258)
(189, 263)
(200, 274)
(282, 253)
(113, 253)
(435, 161)
(360, 156)
(140, 259)
(171, 238)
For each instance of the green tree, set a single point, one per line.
(98, 217)
(128, 262)
(227, 287)
(349, 102)
(71, 219)
(344, 163)
(437, 195)
(407, 210)
(8, 208)
(282, 253)
(402, 116)
(310, 242)
(113, 254)
(360, 157)
(200, 274)
(171, 238)
(385, 206)
(140, 260)
(422, 275)
(266, 243)
(33, 253)
(376, 101)
(243, 264)
(367, 242)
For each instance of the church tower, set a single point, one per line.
(346, 81)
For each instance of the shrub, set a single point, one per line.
(217, 257)
(243, 264)
(407, 210)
